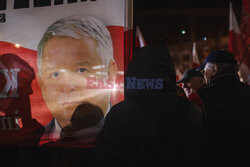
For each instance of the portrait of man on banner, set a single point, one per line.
(71, 50)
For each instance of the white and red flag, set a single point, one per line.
(236, 43)
(128, 34)
(245, 33)
(139, 39)
(195, 58)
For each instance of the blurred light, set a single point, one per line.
(101, 73)
(183, 32)
(62, 70)
(120, 72)
(98, 67)
(2, 114)
(17, 45)
(204, 38)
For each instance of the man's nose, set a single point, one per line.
(68, 88)
(70, 83)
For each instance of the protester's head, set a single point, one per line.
(192, 80)
(218, 62)
(152, 70)
(71, 50)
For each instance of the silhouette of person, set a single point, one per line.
(18, 130)
(153, 126)
(17, 127)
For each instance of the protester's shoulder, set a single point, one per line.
(125, 104)
(123, 108)
(244, 89)
(187, 105)
(208, 89)
(244, 86)
(190, 106)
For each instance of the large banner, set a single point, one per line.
(61, 69)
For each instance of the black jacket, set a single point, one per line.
(151, 127)
(227, 100)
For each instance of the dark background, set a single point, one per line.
(159, 20)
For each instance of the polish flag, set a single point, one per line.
(128, 34)
(139, 39)
(237, 45)
(245, 23)
(245, 31)
(195, 58)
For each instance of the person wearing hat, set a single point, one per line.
(226, 101)
(218, 64)
(192, 80)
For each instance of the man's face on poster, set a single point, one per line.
(66, 64)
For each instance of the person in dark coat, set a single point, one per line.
(152, 126)
(192, 81)
(226, 101)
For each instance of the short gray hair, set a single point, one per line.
(76, 26)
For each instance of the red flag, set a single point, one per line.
(128, 34)
(237, 45)
(139, 39)
(245, 22)
(195, 58)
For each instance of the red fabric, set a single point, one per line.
(15, 108)
(194, 97)
(245, 28)
(137, 43)
(39, 110)
(117, 34)
(128, 48)
(238, 42)
(236, 45)
(195, 65)
(16, 125)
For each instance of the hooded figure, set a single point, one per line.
(152, 126)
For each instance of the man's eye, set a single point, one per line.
(55, 74)
(81, 70)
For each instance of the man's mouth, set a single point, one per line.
(71, 102)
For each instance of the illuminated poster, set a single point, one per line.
(61, 69)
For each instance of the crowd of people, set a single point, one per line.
(208, 125)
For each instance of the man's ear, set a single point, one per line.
(215, 69)
(112, 69)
